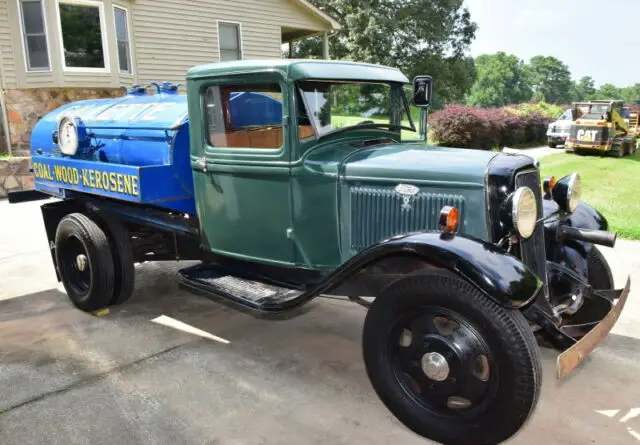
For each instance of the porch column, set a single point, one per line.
(291, 49)
(325, 46)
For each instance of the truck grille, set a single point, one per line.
(533, 250)
(380, 213)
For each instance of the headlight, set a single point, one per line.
(524, 211)
(566, 192)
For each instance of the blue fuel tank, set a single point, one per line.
(134, 148)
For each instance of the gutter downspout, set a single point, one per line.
(5, 120)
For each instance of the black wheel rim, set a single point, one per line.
(76, 268)
(442, 362)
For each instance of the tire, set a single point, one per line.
(600, 276)
(512, 355)
(552, 145)
(123, 262)
(89, 282)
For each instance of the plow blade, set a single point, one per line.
(572, 357)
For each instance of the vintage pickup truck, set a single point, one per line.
(290, 180)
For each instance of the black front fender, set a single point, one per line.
(585, 216)
(501, 276)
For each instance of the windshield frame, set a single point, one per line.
(317, 135)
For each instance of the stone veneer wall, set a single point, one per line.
(15, 175)
(26, 106)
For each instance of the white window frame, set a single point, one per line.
(25, 49)
(240, 43)
(115, 31)
(103, 34)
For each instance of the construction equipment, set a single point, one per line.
(603, 126)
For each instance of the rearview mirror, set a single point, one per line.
(422, 90)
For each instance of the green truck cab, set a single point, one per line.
(322, 183)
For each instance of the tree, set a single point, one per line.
(609, 91)
(416, 36)
(501, 80)
(550, 79)
(584, 89)
(631, 95)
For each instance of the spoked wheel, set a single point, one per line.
(450, 363)
(84, 262)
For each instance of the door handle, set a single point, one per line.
(202, 164)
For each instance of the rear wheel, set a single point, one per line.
(123, 262)
(449, 362)
(85, 262)
(552, 145)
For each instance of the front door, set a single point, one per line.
(243, 192)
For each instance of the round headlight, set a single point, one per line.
(68, 135)
(566, 192)
(573, 192)
(524, 211)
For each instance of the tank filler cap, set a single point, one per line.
(136, 90)
(169, 88)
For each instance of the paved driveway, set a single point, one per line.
(70, 378)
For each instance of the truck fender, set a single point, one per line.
(565, 251)
(585, 216)
(499, 275)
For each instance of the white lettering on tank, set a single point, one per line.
(153, 112)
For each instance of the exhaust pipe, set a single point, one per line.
(599, 237)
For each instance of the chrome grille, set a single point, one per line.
(533, 250)
(380, 213)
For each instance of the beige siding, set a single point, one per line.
(13, 57)
(8, 62)
(167, 38)
(171, 38)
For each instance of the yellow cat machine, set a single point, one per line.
(603, 126)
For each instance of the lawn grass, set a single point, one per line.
(346, 121)
(611, 185)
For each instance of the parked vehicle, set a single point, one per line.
(296, 190)
(604, 127)
(558, 131)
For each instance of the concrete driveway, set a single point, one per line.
(71, 378)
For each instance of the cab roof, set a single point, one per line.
(294, 69)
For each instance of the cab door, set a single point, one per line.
(241, 166)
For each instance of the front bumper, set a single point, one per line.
(557, 139)
(572, 357)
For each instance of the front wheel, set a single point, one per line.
(450, 363)
(600, 276)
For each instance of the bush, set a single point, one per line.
(543, 108)
(469, 127)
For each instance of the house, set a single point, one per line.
(56, 51)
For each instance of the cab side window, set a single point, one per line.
(244, 116)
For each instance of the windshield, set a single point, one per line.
(326, 107)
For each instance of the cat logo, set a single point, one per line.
(587, 135)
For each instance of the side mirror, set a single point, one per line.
(422, 91)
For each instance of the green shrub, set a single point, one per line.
(543, 108)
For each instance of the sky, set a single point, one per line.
(594, 38)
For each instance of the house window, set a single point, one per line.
(83, 40)
(230, 41)
(244, 116)
(122, 37)
(34, 35)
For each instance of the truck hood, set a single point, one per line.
(418, 163)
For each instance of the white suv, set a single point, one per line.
(558, 131)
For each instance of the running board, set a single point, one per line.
(254, 296)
